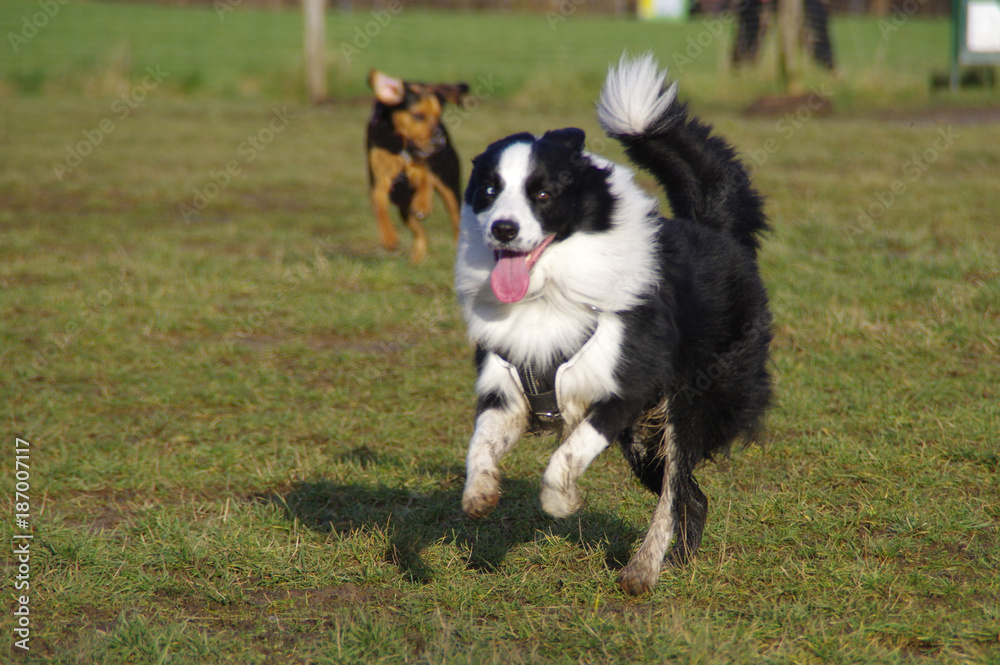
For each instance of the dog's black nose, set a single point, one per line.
(505, 230)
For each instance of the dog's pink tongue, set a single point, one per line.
(510, 277)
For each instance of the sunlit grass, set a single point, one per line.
(248, 429)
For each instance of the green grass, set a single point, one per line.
(248, 430)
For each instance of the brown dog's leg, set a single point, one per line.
(419, 251)
(385, 167)
(420, 209)
(383, 221)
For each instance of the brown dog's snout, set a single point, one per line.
(418, 121)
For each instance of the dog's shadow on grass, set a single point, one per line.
(413, 520)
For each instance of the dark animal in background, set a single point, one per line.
(410, 156)
(754, 18)
(595, 316)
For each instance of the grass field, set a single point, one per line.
(246, 425)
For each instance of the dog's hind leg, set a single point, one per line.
(690, 512)
(419, 250)
(643, 569)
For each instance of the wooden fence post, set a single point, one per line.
(790, 19)
(315, 48)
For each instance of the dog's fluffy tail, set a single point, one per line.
(703, 178)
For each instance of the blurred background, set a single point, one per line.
(540, 49)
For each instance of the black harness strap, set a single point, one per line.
(539, 389)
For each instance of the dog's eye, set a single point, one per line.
(419, 117)
(491, 191)
(543, 195)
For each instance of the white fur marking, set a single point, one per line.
(512, 204)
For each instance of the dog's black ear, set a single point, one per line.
(450, 93)
(571, 138)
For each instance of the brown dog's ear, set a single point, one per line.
(388, 90)
(450, 93)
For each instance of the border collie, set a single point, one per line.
(594, 315)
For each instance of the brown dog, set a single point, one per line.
(410, 156)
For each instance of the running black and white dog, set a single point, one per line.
(593, 314)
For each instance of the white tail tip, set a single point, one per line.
(635, 96)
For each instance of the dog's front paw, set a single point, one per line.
(481, 496)
(477, 506)
(637, 579)
(390, 241)
(561, 502)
